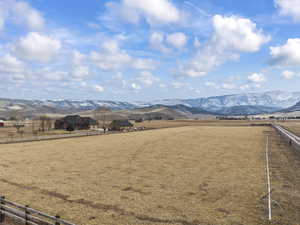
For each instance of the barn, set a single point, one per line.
(117, 125)
(1, 123)
(76, 122)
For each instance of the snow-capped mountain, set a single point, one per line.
(294, 108)
(227, 104)
(274, 99)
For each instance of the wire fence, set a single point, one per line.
(19, 214)
(291, 138)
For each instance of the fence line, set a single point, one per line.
(64, 136)
(27, 215)
(290, 137)
(268, 179)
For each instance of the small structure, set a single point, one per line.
(118, 125)
(75, 122)
(1, 123)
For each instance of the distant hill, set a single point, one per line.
(238, 104)
(247, 110)
(294, 108)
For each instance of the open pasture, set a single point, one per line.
(293, 126)
(185, 176)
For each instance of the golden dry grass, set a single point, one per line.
(181, 123)
(185, 176)
(293, 126)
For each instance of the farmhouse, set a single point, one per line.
(117, 125)
(76, 122)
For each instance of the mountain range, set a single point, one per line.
(236, 104)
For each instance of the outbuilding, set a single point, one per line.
(117, 125)
(75, 122)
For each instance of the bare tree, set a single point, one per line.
(100, 115)
(45, 123)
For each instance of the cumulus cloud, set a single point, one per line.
(289, 8)
(147, 78)
(287, 54)
(211, 84)
(10, 64)
(288, 74)
(51, 74)
(232, 35)
(157, 41)
(143, 64)
(112, 57)
(77, 58)
(257, 78)
(178, 40)
(228, 86)
(178, 85)
(135, 86)
(80, 72)
(97, 88)
(25, 14)
(37, 47)
(155, 12)
(21, 13)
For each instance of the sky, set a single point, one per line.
(142, 50)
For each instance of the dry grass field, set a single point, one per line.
(293, 126)
(180, 123)
(27, 133)
(186, 176)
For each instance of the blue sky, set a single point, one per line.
(147, 49)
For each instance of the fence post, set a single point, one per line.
(26, 213)
(2, 215)
(56, 222)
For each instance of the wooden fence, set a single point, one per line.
(290, 137)
(11, 211)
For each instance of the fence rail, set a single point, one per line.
(26, 215)
(290, 137)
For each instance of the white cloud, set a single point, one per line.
(211, 84)
(288, 74)
(77, 58)
(178, 85)
(157, 40)
(197, 43)
(289, 8)
(97, 88)
(51, 74)
(135, 86)
(10, 64)
(228, 86)
(37, 47)
(178, 40)
(80, 72)
(21, 13)
(112, 58)
(245, 87)
(1, 24)
(147, 78)
(143, 64)
(238, 34)
(232, 35)
(155, 12)
(257, 78)
(25, 14)
(286, 55)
